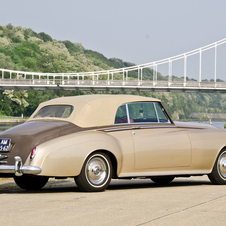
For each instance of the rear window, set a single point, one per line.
(56, 111)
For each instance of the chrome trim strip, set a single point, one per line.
(140, 127)
(147, 127)
(127, 112)
(117, 129)
(137, 127)
(18, 169)
(134, 123)
(175, 173)
(3, 156)
(156, 113)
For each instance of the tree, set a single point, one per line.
(44, 37)
(17, 99)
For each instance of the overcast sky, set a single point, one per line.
(138, 31)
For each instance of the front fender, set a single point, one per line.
(65, 156)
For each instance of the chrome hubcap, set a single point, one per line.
(222, 165)
(97, 171)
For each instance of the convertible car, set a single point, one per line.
(94, 138)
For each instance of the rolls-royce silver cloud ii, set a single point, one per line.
(94, 138)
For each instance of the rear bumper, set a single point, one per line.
(18, 169)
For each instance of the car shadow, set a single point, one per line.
(57, 186)
(150, 184)
(67, 186)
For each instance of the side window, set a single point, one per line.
(121, 115)
(160, 111)
(142, 112)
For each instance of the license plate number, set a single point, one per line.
(4, 144)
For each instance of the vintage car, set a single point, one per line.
(94, 138)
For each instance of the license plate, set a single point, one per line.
(4, 144)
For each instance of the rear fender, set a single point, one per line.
(65, 156)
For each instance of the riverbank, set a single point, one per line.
(12, 120)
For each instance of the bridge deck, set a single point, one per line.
(112, 85)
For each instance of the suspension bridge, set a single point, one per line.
(121, 80)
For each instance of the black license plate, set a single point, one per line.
(4, 144)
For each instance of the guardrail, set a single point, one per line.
(106, 85)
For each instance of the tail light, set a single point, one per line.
(33, 152)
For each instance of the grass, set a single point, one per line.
(2, 117)
(9, 118)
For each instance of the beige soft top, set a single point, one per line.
(92, 110)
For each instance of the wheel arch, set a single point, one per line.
(218, 172)
(112, 158)
(216, 157)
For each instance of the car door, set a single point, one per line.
(158, 143)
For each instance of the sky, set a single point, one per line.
(137, 31)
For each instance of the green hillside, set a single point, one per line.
(24, 49)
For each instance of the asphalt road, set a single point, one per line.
(188, 201)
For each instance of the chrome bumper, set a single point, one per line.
(18, 169)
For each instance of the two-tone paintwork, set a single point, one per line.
(137, 150)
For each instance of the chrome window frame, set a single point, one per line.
(156, 112)
(127, 112)
(128, 116)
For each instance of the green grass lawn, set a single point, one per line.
(2, 117)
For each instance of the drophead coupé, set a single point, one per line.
(94, 138)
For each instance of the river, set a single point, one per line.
(219, 124)
(5, 126)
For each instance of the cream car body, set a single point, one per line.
(93, 136)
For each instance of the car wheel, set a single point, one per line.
(162, 180)
(218, 174)
(96, 173)
(31, 183)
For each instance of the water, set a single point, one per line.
(5, 126)
(219, 124)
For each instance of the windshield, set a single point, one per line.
(56, 111)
